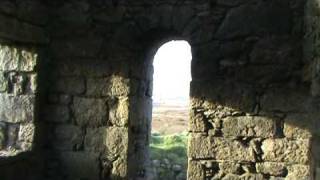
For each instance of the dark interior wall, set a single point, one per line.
(252, 114)
(23, 44)
(312, 62)
(248, 94)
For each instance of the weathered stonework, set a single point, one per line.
(249, 126)
(20, 49)
(17, 109)
(201, 147)
(95, 112)
(282, 150)
(76, 87)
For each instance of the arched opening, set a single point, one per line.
(171, 85)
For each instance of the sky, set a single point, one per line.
(172, 73)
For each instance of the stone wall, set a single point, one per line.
(22, 48)
(252, 114)
(312, 61)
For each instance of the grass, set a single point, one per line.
(171, 147)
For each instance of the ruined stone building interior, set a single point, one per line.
(76, 87)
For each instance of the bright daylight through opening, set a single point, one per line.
(171, 85)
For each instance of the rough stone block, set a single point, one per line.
(80, 165)
(140, 114)
(81, 47)
(268, 17)
(284, 171)
(68, 137)
(63, 99)
(253, 126)
(285, 150)
(195, 170)
(284, 100)
(3, 82)
(26, 136)
(205, 147)
(230, 167)
(117, 140)
(111, 86)
(3, 134)
(9, 58)
(299, 172)
(317, 172)
(18, 31)
(272, 168)
(33, 84)
(28, 60)
(118, 86)
(69, 85)
(12, 58)
(57, 113)
(97, 87)
(16, 109)
(95, 139)
(236, 96)
(112, 140)
(198, 122)
(90, 112)
(119, 111)
(300, 126)
(218, 169)
(120, 168)
(95, 68)
(262, 74)
(276, 50)
(12, 135)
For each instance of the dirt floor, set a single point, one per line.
(169, 119)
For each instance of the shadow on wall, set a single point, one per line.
(231, 121)
(88, 132)
(311, 53)
(252, 129)
(247, 109)
(246, 83)
(270, 127)
(247, 115)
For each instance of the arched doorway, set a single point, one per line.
(170, 115)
